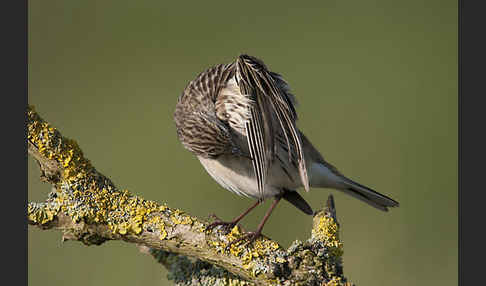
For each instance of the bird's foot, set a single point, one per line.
(248, 237)
(227, 226)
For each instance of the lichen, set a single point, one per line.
(185, 271)
(326, 230)
(87, 196)
(41, 214)
(335, 281)
(179, 217)
(258, 258)
(53, 146)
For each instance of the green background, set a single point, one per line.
(377, 87)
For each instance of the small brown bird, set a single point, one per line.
(239, 120)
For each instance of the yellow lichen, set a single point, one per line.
(163, 233)
(41, 215)
(122, 228)
(179, 217)
(120, 210)
(162, 208)
(52, 146)
(280, 260)
(335, 281)
(326, 230)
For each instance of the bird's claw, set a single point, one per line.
(227, 226)
(250, 237)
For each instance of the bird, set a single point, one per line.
(239, 120)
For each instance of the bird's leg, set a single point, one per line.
(229, 225)
(252, 236)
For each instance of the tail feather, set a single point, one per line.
(368, 195)
(325, 175)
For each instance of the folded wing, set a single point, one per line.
(273, 112)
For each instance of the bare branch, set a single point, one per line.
(86, 206)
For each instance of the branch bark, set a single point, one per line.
(86, 206)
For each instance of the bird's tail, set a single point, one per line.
(368, 195)
(324, 175)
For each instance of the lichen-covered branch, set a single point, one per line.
(86, 206)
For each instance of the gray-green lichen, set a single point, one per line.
(187, 272)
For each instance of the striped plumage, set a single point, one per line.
(239, 119)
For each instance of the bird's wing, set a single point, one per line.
(272, 113)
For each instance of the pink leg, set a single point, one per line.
(229, 225)
(251, 236)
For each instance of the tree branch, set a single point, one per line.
(86, 206)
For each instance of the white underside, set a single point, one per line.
(236, 175)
